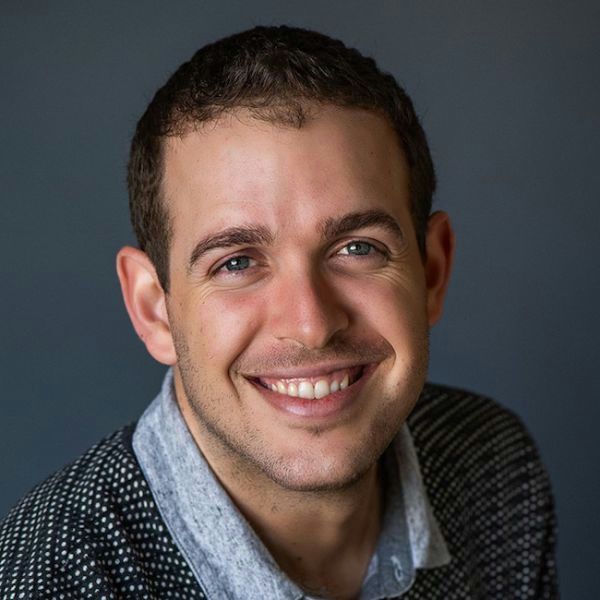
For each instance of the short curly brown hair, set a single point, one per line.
(274, 72)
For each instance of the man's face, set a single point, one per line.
(294, 271)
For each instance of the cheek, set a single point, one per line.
(395, 308)
(222, 326)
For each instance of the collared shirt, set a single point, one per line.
(224, 553)
(93, 529)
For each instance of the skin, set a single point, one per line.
(308, 486)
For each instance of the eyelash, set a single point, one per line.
(372, 247)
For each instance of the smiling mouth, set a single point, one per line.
(313, 388)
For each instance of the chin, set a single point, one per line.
(324, 465)
(311, 479)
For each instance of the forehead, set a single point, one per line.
(239, 167)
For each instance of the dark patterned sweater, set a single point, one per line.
(92, 530)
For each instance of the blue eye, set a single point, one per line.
(237, 263)
(358, 248)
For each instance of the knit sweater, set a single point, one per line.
(92, 530)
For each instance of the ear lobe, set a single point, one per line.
(438, 264)
(146, 303)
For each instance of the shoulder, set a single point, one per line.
(77, 490)
(92, 529)
(471, 436)
(489, 491)
(48, 528)
(84, 484)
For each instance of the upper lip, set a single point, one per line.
(299, 372)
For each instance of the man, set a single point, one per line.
(288, 271)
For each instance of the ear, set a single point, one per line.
(438, 264)
(146, 303)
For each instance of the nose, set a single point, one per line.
(307, 310)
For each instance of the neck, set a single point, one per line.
(322, 540)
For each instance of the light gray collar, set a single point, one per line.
(226, 556)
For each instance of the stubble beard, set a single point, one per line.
(249, 453)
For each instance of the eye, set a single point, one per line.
(358, 248)
(236, 263)
(361, 255)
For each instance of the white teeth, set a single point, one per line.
(306, 390)
(321, 388)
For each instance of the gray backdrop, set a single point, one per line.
(509, 94)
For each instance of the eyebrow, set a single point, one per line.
(334, 227)
(232, 236)
(249, 235)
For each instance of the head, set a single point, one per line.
(276, 74)
(280, 188)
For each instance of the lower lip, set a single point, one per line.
(332, 405)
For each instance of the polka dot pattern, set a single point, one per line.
(491, 496)
(92, 530)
